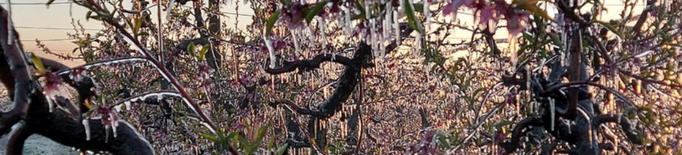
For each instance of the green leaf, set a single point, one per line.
(282, 149)
(361, 9)
(271, 143)
(37, 63)
(610, 27)
(261, 133)
(411, 18)
(271, 22)
(190, 48)
(202, 53)
(211, 137)
(143, 34)
(136, 27)
(419, 7)
(316, 10)
(443, 138)
(555, 40)
(88, 15)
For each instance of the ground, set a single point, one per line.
(39, 145)
(36, 144)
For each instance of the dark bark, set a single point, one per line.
(346, 83)
(15, 144)
(308, 65)
(213, 56)
(69, 131)
(628, 128)
(15, 75)
(30, 108)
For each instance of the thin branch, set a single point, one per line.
(63, 70)
(309, 64)
(159, 66)
(645, 13)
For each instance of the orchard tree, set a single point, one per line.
(355, 77)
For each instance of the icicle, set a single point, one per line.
(113, 122)
(10, 31)
(396, 27)
(271, 51)
(368, 14)
(297, 47)
(419, 37)
(86, 125)
(374, 37)
(50, 103)
(552, 111)
(169, 8)
(386, 29)
(401, 9)
(311, 38)
(347, 22)
(323, 26)
(427, 14)
(117, 108)
(106, 132)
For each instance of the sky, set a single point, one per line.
(34, 20)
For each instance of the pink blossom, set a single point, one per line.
(293, 15)
(452, 7)
(488, 13)
(77, 74)
(51, 87)
(516, 22)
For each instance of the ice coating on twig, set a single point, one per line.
(271, 51)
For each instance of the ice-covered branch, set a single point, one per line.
(346, 82)
(624, 123)
(64, 71)
(309, 64)
(145, 98)
(15, 74)
(518, 131)
(190, 103)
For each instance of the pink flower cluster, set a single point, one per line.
(488, 14)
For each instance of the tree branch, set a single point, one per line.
(514, 144)
(15, 75)
(623, 121)
(346, 82)
(19, 134)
